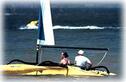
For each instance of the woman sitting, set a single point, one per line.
(64, 59)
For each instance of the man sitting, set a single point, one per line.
(82, 61)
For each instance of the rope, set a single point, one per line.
(102, 59)
(40, 57)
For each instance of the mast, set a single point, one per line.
(45, 30)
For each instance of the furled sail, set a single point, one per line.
(46, 35)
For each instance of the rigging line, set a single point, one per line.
(40, 55)
(71, 47)
(102, 59)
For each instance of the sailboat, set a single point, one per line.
(46, 40)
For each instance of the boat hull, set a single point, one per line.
(24, 69)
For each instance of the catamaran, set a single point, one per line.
(46, 40)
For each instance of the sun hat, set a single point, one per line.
(80, 52)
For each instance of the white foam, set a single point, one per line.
(25, 27)
(8, 14)
(70, 27)
(73, 27)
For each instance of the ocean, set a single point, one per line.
(93, 27)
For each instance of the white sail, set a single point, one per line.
(47, 25)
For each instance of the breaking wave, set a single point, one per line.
(70, 27)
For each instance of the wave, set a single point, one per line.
(26, 27)
(8, 14)
(70, 27)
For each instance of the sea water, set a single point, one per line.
(93, 27)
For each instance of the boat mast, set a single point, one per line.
(45, 30)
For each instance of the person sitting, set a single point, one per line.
(64, 59)
(82, 61)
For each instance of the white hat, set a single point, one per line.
(80, 52)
